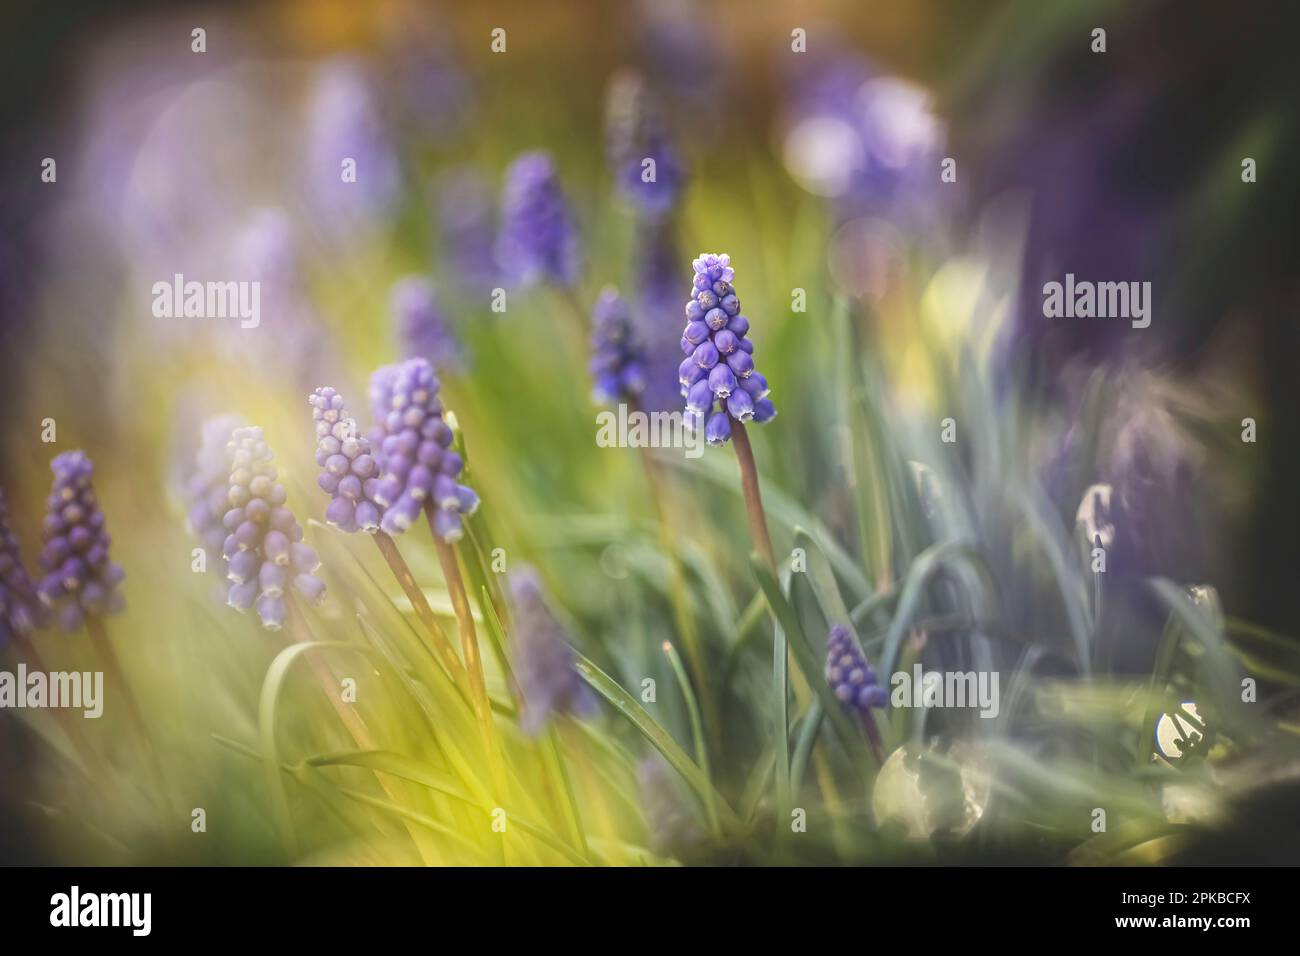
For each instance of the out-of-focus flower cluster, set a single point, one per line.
(538, 241)
(465, 217)
(264, 545)
(79, 577)
(719, 366)
(544, 661)
(21, 611)
(422, 325)
(869, 142)
(647, 169)
(617, 359)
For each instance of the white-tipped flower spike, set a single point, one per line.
(349, 469)
(264, 545)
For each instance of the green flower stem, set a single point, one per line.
(677, 594)
(442, 646)
(470, 651)
(753, 495)
(113, 669)
(67, 719)
(697, 732)
(300, 633)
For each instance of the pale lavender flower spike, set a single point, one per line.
(79, 577)
(264, 545)
(349, 470)
(419, 464)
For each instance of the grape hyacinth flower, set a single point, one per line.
(617, 359)
(21, 611)
(207, 488)
(854, 683)
(345, 122)
(539, 239)
(544, 661)
(80, 580)
(647, 168)
(719, 366)
(422, 325)
(419, 464)
(350, 472)
(264, 545)
(465, 216)
(851, 678)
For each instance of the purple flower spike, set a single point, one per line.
(851, 678)
(419, 464)
(617, 358)
(720, 354)
(264, 542)
(350, 471)
(346, 123)
(208, 486)
(79, 578)
(465, 215)
(544, 661)
(538, 240)
(21, 611)
(647, 168)
(422, 325)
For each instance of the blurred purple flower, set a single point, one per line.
(674, 829)
(539, 238)
(264, 547)
(349, 471)
(617, 359)
(422, 326)
(21, 610)
(79, 577)
(719, 367)
(683, 56)
(465, 216)
(544, 661)
(658, 307)
(851, 678)
(636, 132)
(345, 123)
(868, 142)
(266, 250)
(424, 78)
(419, 464)
(207, 488)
